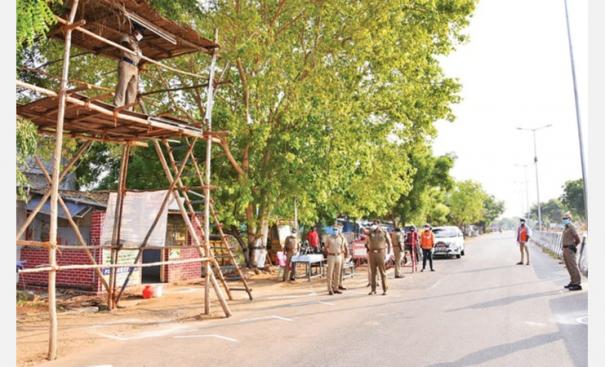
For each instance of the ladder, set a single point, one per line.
(223, 251)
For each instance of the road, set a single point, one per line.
(481, 310)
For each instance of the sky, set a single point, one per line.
(515, 71)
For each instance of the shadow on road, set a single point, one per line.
(484, 355)
(566, 311)
(505, 301)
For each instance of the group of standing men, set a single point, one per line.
(378, 243)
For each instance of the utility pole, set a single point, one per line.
(533, 130)
(575, 93)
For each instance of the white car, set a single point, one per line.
(449, 241)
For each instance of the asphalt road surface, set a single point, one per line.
(481, 310)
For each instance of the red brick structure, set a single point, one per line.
(81, 279)
(176, 272)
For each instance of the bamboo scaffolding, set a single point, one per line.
(190, 131)
(73, 224)
(193, 234)
(113, 266)
(125, 49)
(192, 213)
(65, 96)
(156, 219)
(117, 225)
(38, 207)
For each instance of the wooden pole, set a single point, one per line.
(54, 193)
(208, 118)
(117, 225)
(112, 266)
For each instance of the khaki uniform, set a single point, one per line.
(379, 243)
(291, 249)
(128, 73)
(335, 247)
(345, 256)
(398, 251)
(570, 240)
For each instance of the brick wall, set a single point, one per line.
(83, 279)
(176, 272)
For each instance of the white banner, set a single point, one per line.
(138, 213)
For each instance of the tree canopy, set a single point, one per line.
(329, 104)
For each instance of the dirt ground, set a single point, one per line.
(82, 325)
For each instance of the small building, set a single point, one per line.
(88, 210)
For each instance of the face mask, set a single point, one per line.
(138, 36)
(566, 221)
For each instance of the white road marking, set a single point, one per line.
(267, 318)
(233, 340)
(146, 334)
(293, 296)
(311, 303)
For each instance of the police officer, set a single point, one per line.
(335, 248)
(398, 250)
(128, 69)
(291, 249)
(379, 244)
(570, 240)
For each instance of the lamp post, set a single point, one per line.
(533, 130)
(575, 93)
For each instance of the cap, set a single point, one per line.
(567, 215)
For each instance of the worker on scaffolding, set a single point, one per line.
(128, 69)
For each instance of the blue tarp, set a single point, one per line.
(75, 209)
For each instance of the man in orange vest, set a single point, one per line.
(523, 234)
(427, 241)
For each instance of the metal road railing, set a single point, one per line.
(552, 242)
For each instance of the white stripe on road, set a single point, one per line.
(267, 318)
(233, 340)
(293, 296)
(144, 335)
(311, 303)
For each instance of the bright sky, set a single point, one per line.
(515, 71)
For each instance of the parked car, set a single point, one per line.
(449, 241)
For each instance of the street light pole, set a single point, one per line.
(533, 130)
(575, 93)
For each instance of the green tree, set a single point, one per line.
(466, 203)
(323, 101)
(492, 209)
(34, 17)
(551, 211)
(573, 197)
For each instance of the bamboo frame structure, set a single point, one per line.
(128, 138)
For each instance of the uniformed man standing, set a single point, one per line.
(379, 244)
(291, 249)
(335, 247)
(397, 242)
(345, 256)
(128, 69)
(570, 240)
